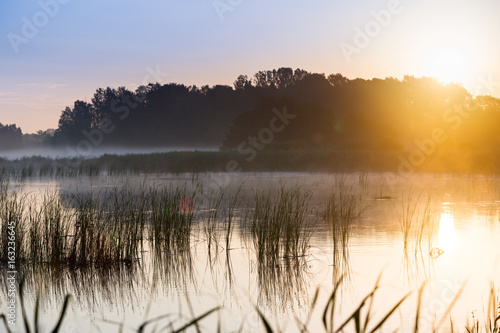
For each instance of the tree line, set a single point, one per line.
(328, 112)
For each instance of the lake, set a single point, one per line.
(434, 233)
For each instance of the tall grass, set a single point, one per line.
(344, 201)
(363, 180)
(12, 222)
(344, 204)
(115, 226)
(364, 317)
(281, 224)
(406, 216)
(281, 228)
(416, 217)
(211, 227)
(418, 223)
(173, 209)
(491, 316)
(107, 226)
(230, 217)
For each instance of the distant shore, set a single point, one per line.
(458, 162)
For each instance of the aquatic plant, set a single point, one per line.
(281, 224)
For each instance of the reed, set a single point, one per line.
(344, 204)
(417, 218)
(365, 316)
(107, 226)
(281, 224)
(406, 216)
(491, 315)
(12, 223)
(211, 225)
(363, 180)
(231, 216)
(173, 209)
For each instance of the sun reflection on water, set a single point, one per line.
(447, 232)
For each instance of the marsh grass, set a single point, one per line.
(281, 228)
(365, 315)
(170, 322)
(12, 222)
(211, 225)
(363, 180)
(491, 315)
(344, 201)
(231, 217)
(361, 317)
(406, 216)
(281, 224)
(417, 218)
(173, 210)
(344, 204)
(218, 216)
(108, 226)
(103, 230)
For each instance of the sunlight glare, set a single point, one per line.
(447, 232)
(449, 67)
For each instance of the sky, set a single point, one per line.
(53, 52)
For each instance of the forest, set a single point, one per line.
(328, 112)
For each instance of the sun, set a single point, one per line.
(449, 67)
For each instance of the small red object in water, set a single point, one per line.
(186, 205)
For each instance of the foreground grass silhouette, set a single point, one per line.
(360, 321)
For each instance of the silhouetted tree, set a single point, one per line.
(337, 80)
(10, 136)
(242, 83)
(74, 120)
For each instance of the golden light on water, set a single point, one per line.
(447, 232)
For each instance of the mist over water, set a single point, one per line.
(55, 153)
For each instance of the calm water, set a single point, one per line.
(464, 213)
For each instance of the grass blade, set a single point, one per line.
(330, 306)
(355, 315)
(394, 308)
(37, 312)
(143, 325)
(264, 321)
(196, 320)
(419, 304)
(63, 313)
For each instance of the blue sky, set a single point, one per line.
(99, 43)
